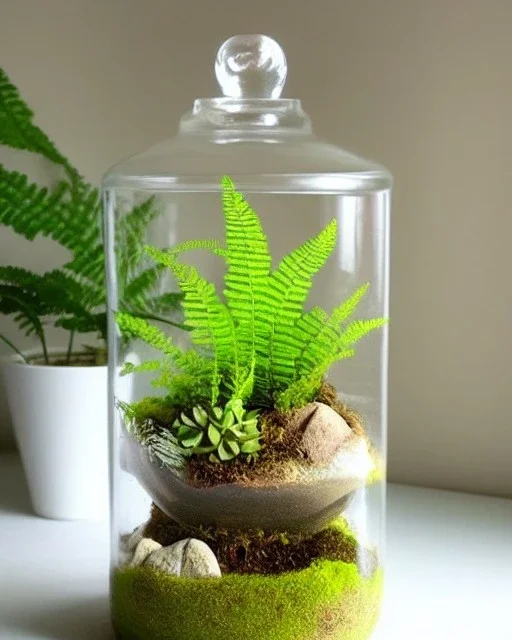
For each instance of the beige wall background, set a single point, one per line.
(424, 87)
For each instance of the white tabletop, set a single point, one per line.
(448, 573)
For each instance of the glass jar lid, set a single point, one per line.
(263, 141)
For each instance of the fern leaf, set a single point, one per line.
(358, 329)
(17, 129)
(19, 276)
(130, 238)
(26, 305)
(54, 293)
(137, 292)
(209, 319)
(133, 327)
(325, 348)
(165, 303)
(69, 215)
(30, 209)
(90, 323)
(70, 292)
(319, 332)
(83, 232)
(191, 245)
(249, 263)
(188, 361)
(149, 365)
(288, 287)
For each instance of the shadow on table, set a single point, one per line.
(14, 496)
(80, 620)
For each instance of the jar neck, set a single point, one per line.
(246, 115)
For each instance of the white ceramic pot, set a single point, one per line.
(60, 422)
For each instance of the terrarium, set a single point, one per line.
(248, 469)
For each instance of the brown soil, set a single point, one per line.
(281, 448)
(257, 551)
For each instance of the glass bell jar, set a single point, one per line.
(248, 299)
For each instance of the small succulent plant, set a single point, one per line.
(224, 433)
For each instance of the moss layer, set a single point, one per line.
(327, 601)
(259, 551)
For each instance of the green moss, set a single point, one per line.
(156, 408)
(327, 601)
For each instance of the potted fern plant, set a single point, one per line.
(57, 397)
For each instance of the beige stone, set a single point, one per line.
(325, 434)
(128, 543)
(188, 558)
(145, 547)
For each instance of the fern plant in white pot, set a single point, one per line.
(57, 397)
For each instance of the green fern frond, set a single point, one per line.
(133, 327)
(83, 233)
(322, 353)
(19, 276)
(70, 214)
(130, 230)
(358, 329)
(330, 345)
(249, 263)
(27, 306)
(66, 214)
(70, 291)
(30, 209)
(165, 303)
(149, 365)
(288, 287)
(319, 332)
(209, 319)
(191, 245)
(90, 323)
(187, 361)
(347, 307)
(137, 292)
(17, 129)
(56, 292)
(261, 348)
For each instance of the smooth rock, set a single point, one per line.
(300, 417)
(128, 543)
(145, 547)
(325, 434)
(188, 558)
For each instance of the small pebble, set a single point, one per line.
(145, 547)
(188, 558)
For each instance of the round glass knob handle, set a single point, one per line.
(251, 66)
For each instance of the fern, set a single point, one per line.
(197, 369)
(27, 309)
(319, 332)
(263, 349)
(17, 129)
(73, 296)
(288, 287)
(211, 324)
(249, 263)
